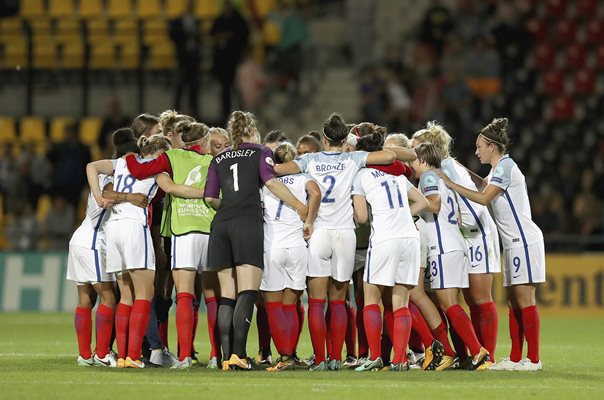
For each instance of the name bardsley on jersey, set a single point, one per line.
(234, 154)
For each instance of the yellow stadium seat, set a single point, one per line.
(57, 128)
(11, 26)
(45, 54)
(130, 56)
(162, 56)
(67, 30)
(91, 8)
(155, 30)
(41, 28)
(32, 130)
(148, 8)
(271, 33)
(61, 8)
(102, 55)
(44, 206)
(207, 9)
(125, 31)
(90, 129)
(8, 132)
(15, 54)
(119, 8)
(264, 7)
(32, 8)
(72, 56)
(98, 30)
(174, 8)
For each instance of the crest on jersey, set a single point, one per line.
(270, 161)
(498, 172)
(429, 180)
(194, 176)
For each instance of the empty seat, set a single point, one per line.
(575, 57)
(90, 129)
(148, 8)
(119, 8)
(595, 32)
(271, 33)
(72, 55)
(61, 8)
(585, 82)
(566, 32)
(161, 56)
(45, 54)
(43, 207)
(555, 8)
(11, 26)
(32, 8)
(41, 28)
(15, 54)
(57, 128)
(8, 131)
(155, 30)
(32, 130)
(68, 30)
(265, 7)
(125, 31)
(553, 82)
(537, 28)
(586, 8)
(563, 108)
(129, 56)
(174, 8)
(102, 55)
(207, 9)
(544, 56)
(98, 30)
(91, 8)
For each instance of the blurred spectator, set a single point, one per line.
(250, 82)
(361, 27)
(230, 32)
(69, 160)
(456, 103)
(8, 166)
(398, 102)
(187, 41)
(58, 225)
(113, 120)
(483, 68)
(18, 193)
(40, 172)
(436, 23)
(22, 230)
(371, 89)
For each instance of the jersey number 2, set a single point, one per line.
(235, 177)
(332, 182)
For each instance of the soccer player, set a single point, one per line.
(86, 266)
(523, 250)
(480, 234)
(393, 254)
(285, 256)
(448, 265)
(236, 237)
(332, 246)
(308, 144)
(274, 139)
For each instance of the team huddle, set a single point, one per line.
(218, 216)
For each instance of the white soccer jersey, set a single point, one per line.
(91, 232)
(387, 195)
(334, 172)
(443, 230)
(124, 182)
(282, 225)
(511, 207)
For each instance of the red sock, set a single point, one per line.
(212, 313)
(463, 327)
(372, 316)
(328, 330)
(402, 330)
(338, 327)
(516, 334)
(290, 312)
(351, 331)
(458, 344)
(361, 335)
(301, 312)
(440, 333)
(420, 326)
(488, 326)
(317, 327)
(264, 333)
(163, 332)
(279, 327)
(184, 324)
(195, 323)
(139, 318)
(531, 325)
(475, 317)
(104, 328)
(122, 322)
(83, 327)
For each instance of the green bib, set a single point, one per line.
(182, 216)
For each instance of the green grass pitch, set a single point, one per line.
(38, 352)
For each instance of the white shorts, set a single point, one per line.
(190, 251)
(482, 261)
(522, 265)
(87, 266)
(129, 246)
(449, 270)
(393, 261)
(360, 256)
(285, 268)
(331, 253)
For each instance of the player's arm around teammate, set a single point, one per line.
(524, 254)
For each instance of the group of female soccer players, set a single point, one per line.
(247, 224)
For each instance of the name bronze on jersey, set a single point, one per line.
(330, 167)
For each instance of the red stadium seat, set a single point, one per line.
(586, 8)
(537, 28)
(585, 82)
(575, 57)
(600, 57)
(555, 8)
(595, 32)
(563, 108)
(553, 83)
(544, 56)
(566, 32)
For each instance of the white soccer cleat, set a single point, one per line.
(504, 365)
(528, 365)
(109, 361)
(168, 359)
(85, 362)
(187, 363)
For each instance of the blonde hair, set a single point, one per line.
(218, 131)
(285, 152)
(239, 126)
(169, 118)
(400, 139)
(153, 144)
(367, 128)
(191, 131)
(437, 135)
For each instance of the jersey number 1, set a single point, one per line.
(235, 177)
